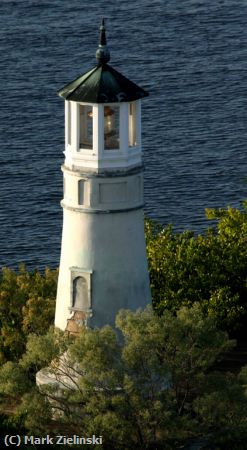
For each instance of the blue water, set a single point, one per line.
(191, 55)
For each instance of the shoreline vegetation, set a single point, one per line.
(171, 378)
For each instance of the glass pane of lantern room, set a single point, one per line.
(132, 125)
(86, 127)
(111, 127)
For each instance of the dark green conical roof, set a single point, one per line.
(102, 84)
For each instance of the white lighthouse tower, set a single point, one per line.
(103, 265)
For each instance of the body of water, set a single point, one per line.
(191, 55)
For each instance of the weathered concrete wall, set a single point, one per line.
(112, 246)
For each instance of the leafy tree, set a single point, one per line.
(209, 269)
(42, 349)
(223, 407)
(13, 380)
(150, 386)
(27, 304)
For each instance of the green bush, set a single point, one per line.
(209, 269)
(153, 387)
(27, 304)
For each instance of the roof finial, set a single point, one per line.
(102, 53)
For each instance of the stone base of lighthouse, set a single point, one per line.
(103, 264)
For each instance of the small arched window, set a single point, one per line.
(81, 192)
(80, 294)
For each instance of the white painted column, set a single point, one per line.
(75, 128)
(68, 131)
(66, 123)
(95, 129)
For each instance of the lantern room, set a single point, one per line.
(102, 117)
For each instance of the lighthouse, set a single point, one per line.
(103, 265)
